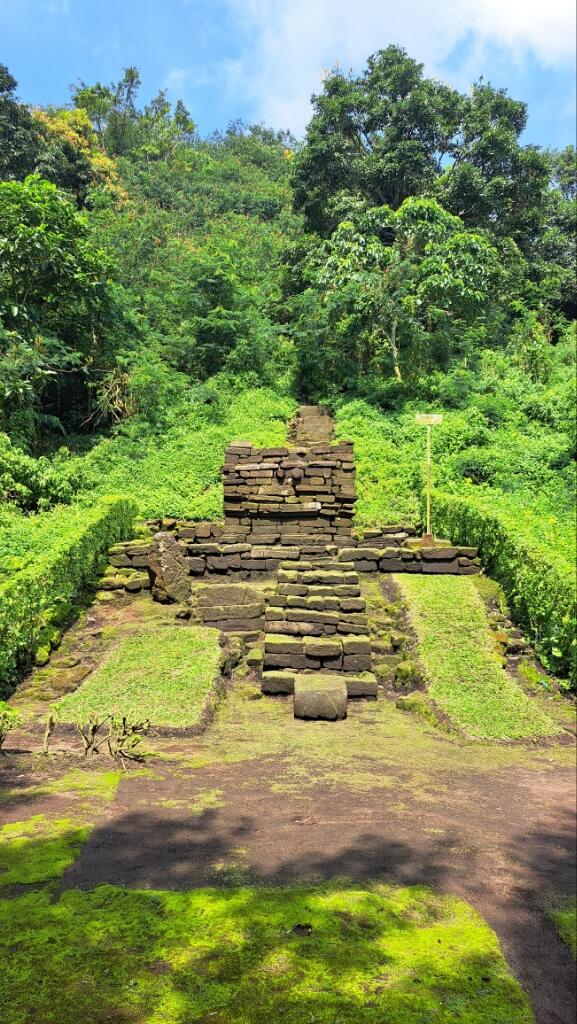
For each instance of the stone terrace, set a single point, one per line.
(288, 511)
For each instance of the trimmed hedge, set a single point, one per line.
(30, 599)
(538, 580)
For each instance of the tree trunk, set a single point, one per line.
(395, 351)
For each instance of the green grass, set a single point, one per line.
(161, 674)
(466, 679)
(37, 849)
(335, 954)
(564, 917)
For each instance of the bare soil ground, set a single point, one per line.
(264, 798)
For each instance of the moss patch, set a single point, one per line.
(164, 675)
(37, 850)
(466, 678)
(564, 917)
(242, 956)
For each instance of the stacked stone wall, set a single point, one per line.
(304, 494)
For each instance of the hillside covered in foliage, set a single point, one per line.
(162, 293)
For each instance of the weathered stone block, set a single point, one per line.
(434, 554)
(236, 611)
(222, 563)
(364, 685)
(168, 569)
(320, 697)
(356, 662)
(277, 682)
(140, 561)
(352, 604)
(120, 560)
(356, 645)
(392, 565)
(282, 644)
(322, 647)
(253, 564)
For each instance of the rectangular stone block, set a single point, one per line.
(356, 645)
(244, 611)
(277, 682)
(439, 554)
(223, 563)
(362, 686)
(352, 604)
(320, 697)
(322, 647)
(392, 565)
(209, 548)
(282, 644)
(218, 594)
(253, 564)
(356, 662)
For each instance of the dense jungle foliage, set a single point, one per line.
(161, 293)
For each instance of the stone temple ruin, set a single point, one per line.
(288, 514)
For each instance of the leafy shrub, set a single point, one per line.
(31, 598)
(10, 718)
(176, 470)
(36, 483)
(538, 579)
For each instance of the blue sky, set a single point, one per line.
(261, 59)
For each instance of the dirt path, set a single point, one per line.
(383, 795)
(498, 833)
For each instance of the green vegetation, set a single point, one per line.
(164, 675)
(37, 850)
(10, 718)
(412, 253)
(463, 668)
(181, 476)
(256, 955)
(519, 510)
(36, 595)
(564, 917)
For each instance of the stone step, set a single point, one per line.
(277, 681)
(324, 577)
(337, 620)
(321, 697)
(317, 565)
(339, 653)
(318, 603)
(316, 628)
(317, 590)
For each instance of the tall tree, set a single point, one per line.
(19, 143)
(399, 291)
(390, 133)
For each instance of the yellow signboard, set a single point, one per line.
(429, 419)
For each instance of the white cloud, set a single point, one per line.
(57, 6)
(288, 43)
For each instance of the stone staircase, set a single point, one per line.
(316, 643)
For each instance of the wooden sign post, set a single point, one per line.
(428, 420)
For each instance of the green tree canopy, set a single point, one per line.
(391, 133)
(398, 289)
